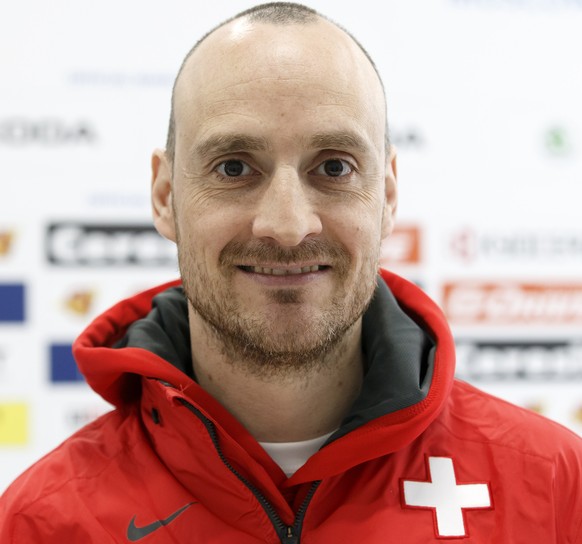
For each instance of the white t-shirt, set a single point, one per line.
(290, 456)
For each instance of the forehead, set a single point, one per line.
(261, 69)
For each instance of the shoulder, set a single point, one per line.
(483, 416)
(55, 485)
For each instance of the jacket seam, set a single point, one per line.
(17, 516)
(495, 443)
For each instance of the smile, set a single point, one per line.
(282, 271)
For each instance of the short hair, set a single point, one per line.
(276, 13)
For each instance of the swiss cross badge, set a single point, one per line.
(447, 498)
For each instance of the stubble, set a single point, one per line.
(254, 343)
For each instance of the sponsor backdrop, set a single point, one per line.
(484, 105)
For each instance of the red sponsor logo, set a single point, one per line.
(469, 245)
(402, 247)
(513, 303)
(464, 244)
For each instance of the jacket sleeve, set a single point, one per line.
(18, 528)
(46, 521)
(568, 490)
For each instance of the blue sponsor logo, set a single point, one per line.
(63, 366)
(12, 297)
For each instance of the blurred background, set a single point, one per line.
(485, 110)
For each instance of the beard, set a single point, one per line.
(297, 341)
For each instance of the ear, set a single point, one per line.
(162, 208)
(391, 193)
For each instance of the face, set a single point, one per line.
(281, 188)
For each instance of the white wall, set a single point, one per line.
(484, 105)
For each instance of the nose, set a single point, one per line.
(285, 211)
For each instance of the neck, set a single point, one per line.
(296, 405)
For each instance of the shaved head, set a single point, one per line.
(274, 13)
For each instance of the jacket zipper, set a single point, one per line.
(294, 533)
(288, 534)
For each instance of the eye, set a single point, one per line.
(334, 168)
(234, 168)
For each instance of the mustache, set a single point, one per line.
(257, 251)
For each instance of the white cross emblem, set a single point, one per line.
(446, 497)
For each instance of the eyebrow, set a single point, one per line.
(223, 144)
(338, 140)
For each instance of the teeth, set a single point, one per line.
(284, 271)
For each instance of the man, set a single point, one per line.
(287, 393)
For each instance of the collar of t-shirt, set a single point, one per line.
(290, 456)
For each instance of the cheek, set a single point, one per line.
(360, 234)
(206, 229)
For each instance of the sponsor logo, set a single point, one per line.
(135, 533)
(63, 368)
(13, 423)
(402, 247)
(501, 360)
(469, 245)
(6, 242)
(12, 301)
(535, 406)
(80, 416)
(80, 302)
(94, 245)
(407, 138)
(557, 142)
(513, 303)
(52, 132)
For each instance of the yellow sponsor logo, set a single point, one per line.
(80, 302)
(13, 423)
(537, 407)
(6, 240)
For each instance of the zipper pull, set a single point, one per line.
(290, 537)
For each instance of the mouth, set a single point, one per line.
(290, 271)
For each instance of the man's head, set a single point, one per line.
(277, 13)
(279, 186)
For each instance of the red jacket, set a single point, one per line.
(421, 458)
